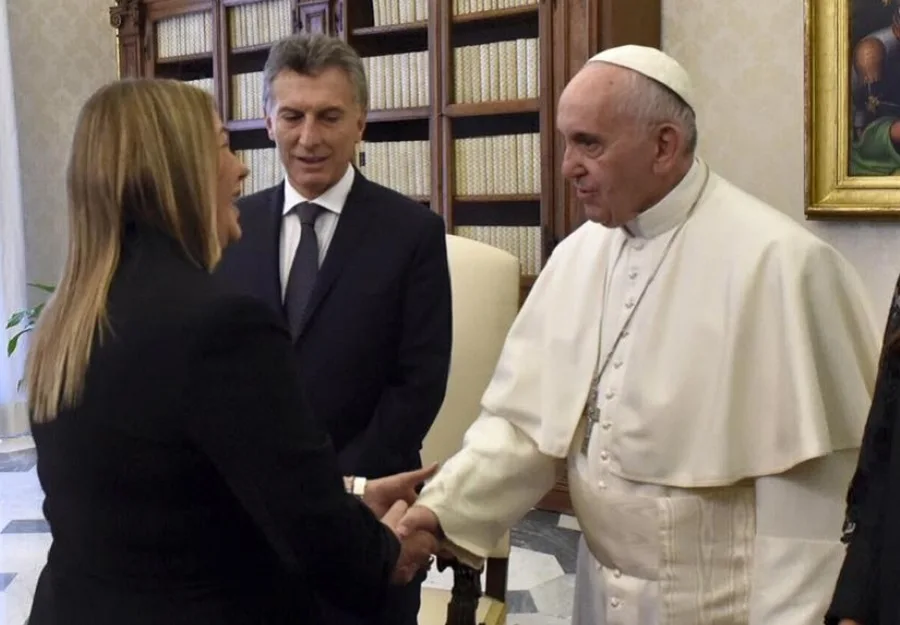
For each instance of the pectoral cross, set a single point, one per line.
(591, 413)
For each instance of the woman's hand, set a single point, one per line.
(416, 548)
(382, 493)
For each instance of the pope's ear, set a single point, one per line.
(670, 143)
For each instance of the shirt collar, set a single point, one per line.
(333, 199)
(672, 209)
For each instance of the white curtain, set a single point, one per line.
(13, 418)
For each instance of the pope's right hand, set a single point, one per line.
(419, 519)
(416, 546)
(848, 621)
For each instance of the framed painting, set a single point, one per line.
(853, 108)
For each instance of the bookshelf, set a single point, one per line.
(462, 96)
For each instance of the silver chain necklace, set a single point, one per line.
(591, 409)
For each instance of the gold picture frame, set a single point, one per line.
(834, 187)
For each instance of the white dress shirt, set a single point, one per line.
(332, 201)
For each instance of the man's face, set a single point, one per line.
(609, 157)
(316, 122)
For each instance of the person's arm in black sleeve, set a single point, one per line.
(250, 417)
(856, 589)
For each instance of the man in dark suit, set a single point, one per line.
(359, 272)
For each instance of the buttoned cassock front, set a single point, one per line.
(730, 413)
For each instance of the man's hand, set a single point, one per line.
(382, 493)
(848, 621)
(416, 548)
(419, 519)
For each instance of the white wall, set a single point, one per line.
(746, 61)
(62, 50)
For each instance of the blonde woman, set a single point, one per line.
(185, 480)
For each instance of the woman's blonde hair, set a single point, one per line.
(145, 151)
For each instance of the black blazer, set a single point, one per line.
(374, 348)
(191, 484)
(867, 587)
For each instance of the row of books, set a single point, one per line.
(259, 23)
(392, 12)
(247, 95)
(523, 242)
(183, 35)
(265, 169)
(206, 84)
(398, 80)
(498, 165)
(404, 166)
(462, 7)
(500, 70)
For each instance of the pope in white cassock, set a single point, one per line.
(702, 366)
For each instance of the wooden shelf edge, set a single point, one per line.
(398, 115)
(262, 47)
(482, 16)
(187, 58)
(237, 125)
(390, 29)
(477, 109)
(237, 3)
(512, 197)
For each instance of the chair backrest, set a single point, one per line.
(485, 286)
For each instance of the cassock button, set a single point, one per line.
(638, 245)
(606, 425)
(629, 303)
(617, 573)
(617, 364)
(604, 455)
(614, 602)
(610, 394)
(633, 274)
(601, 484)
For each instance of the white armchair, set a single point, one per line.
(485, 286)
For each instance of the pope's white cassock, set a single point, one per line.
(725, 358)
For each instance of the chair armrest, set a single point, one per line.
(466, 592)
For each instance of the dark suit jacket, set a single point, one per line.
(866, 589)
(191, 484)
(374, 348)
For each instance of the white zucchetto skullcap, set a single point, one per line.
(652, 63)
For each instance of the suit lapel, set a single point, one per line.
(263, 253)
(353, 223)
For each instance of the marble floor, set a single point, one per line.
(541, 564)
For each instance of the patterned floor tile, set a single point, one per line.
(18, 461)
(555, 597)
(520, 602)
(540, 531)
(26, 526)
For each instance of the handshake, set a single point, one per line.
(392, 500)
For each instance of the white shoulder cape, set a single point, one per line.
(759, 353)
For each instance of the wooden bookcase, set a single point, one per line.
(456, 120)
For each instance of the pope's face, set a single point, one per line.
(609, 157)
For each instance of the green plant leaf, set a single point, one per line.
(16, 319)
(14, 341)
(47, 288)
(34, 312)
